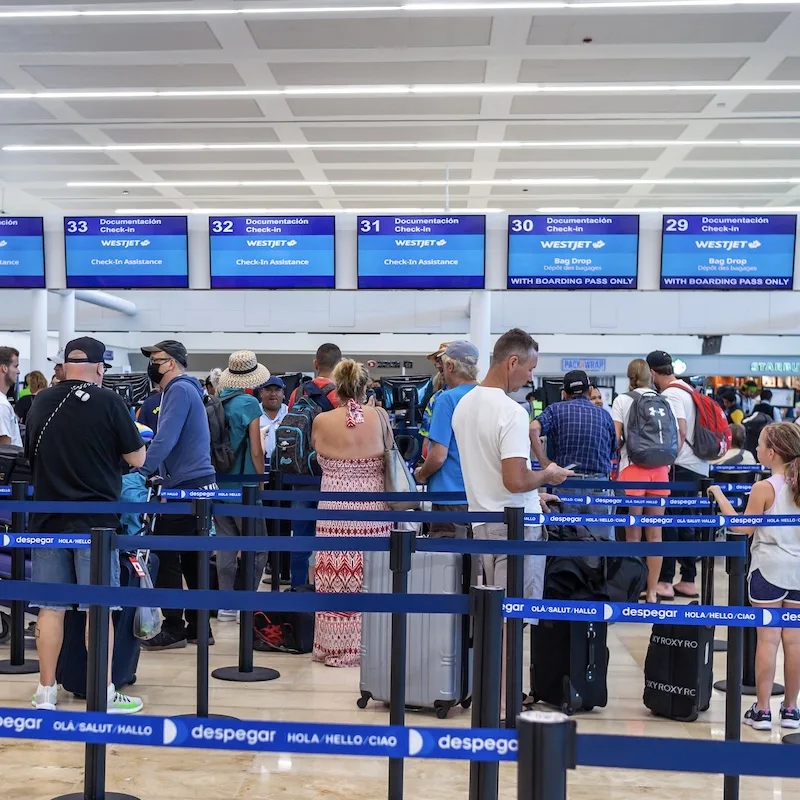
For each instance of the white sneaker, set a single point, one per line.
(45, 698)
(119, 703)
(227, 615)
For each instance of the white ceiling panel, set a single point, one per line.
(378, 72)
(370, 33)
(787, 70)
(34, 176)
(602, 156)
(724, 172)
(141, 76)
(264, 192)
(757, 129)
(244, 158)
(111, 193)
(612, 70)
(41, 134)
(275, 205)
(105, 37)
(382, 106)
(385, 157)
(766, 103)
(167, 108)
(741, 155)
(23, 111)
(367, 194)
(191, 133)
(396, 174)
(49, 160)
(552, 192)
(572, 172)
(639, 29)
(610, 104)
(583, 131)
(723, 191)
(390, 133)
(230, 175)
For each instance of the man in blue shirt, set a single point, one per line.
(581, 437)
(442, 467)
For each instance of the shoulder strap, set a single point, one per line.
(73, 391)
(319, 394)
(682, 385)
(384, 417)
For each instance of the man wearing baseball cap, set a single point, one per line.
(181, 453)
(58, 360)
(273, 410)
(582, 437)
(442, 467)
(688, 468)
(439, 386)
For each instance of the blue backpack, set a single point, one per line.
(293, 453)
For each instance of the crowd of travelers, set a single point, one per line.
(80, 438)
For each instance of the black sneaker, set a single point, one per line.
(757, 719)
(191, 637)
(166, 640)
(790, 717)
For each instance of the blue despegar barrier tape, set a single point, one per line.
(385, 741)
(739, 468)
(86, 507)
(664, 520)
(315, 514)
(247, 601)
(647, 613)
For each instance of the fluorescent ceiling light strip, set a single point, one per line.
(459, 145)
(441, 182)
(404, 89)
(672, 210)
(198, 12)
(306, 211)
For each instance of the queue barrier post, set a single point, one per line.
(401, 546)
(546, 749)
(17, 664)
(486, 609)
(94, 779)
(733, 698)
(245, 672)
(515, 525)
(275, 557)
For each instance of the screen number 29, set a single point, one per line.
(673, 225)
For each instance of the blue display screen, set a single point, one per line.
(126, 252)
(21, 253)
(421, 252)
(272, 252)
(573, 252)
(735, 251)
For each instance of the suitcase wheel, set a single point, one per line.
(362, 702)
(567, 709)
(466, 703)
(442, 712)
(5, 628)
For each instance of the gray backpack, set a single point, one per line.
(651, 433)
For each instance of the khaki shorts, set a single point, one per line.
(496, 567)
(449, 530)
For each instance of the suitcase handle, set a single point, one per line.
(591, 666)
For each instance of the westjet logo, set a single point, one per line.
(555, 244)
(420, 242)
(735, 244)
(271, 242)
(125, 243)
(3, 243)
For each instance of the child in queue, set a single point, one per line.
(774, 577)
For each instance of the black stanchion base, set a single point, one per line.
(748, 691)
(720, 646)
(107, 795)
(28, 667)
(791, 738)
(207, 716)
(258, 675)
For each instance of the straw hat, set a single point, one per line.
(244, 371)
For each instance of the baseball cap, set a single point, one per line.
(274, 380)
(94, 351)
(576, 381)
(658, 358)
(58, 358)
(171, 348)
(462, 350)
(438, 353)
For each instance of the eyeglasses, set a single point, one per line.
(159, 360)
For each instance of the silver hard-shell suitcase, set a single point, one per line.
(439, 652)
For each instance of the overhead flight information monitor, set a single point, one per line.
(732, 251)
(272, 252)
(573, 252)
(21, 253)
(126, 252)
(441, 251)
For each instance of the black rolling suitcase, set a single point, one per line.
(71, 668)
(569, 664)
(678, 671)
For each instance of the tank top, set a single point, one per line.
(776, 550)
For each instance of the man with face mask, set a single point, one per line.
(181, 453)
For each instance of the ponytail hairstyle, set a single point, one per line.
(638, 374)
(351, 379)
(784, 439)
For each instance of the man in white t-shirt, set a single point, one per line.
(9, 373)
(688, 468)
(491, 432)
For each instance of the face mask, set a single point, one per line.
(154, 373)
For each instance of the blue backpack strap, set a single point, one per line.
(319, 394)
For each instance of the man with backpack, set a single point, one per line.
(763, 415)
(181, 453)
(703, 435)
(293, 454)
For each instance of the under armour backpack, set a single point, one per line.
(651, 433)
(293, 452)
(712, 434)
(223, 456)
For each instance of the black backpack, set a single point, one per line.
(13, 465)
(651, 433)
(293, 453)
(223, 456)
(753, 425)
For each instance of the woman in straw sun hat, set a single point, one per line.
(243, 413)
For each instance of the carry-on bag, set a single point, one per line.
(71, 668)
(678, 671)
(439, 652)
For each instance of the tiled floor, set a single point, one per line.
(32, 770)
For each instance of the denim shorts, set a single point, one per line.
(66, 566)
(762, 591)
